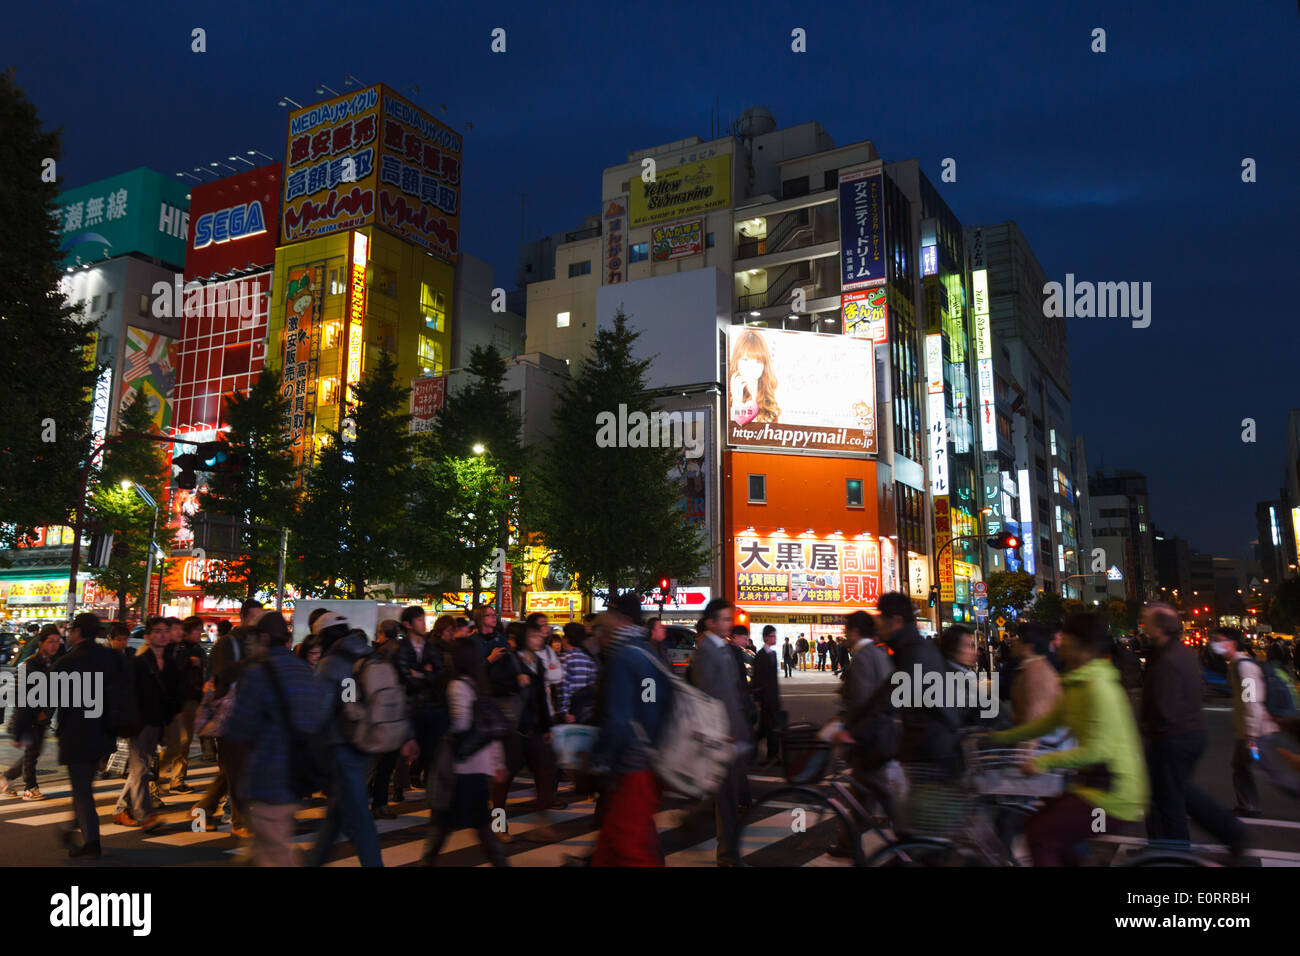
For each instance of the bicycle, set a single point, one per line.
(802, 819)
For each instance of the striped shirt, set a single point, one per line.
(580, 670)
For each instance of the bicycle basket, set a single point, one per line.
(938, 804)
(804, 758)
(997, 773)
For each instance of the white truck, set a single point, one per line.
(364, 615)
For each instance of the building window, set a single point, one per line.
(329, 391)
(331, 332)
(640, 252)
(794, 187)
(386, 282)
(144, 303)
(758, 489)
(336, 286)
(433, 306)
(430, 355)
(579, 269)
(708, 240)
(831, 179)
(561, 320)
(853, 492)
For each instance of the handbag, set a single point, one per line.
(213, 715)
(493, 719)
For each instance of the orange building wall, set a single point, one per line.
(803, 491)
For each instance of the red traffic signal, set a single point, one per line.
(1003, 541)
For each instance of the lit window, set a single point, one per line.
(1052, 434)
(430, 353)
(433, 306)
(330, 334)
(329, 389)
(561, 320)
(640, 252)
(853, 492)
(757, 489)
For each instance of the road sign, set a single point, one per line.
(981, 588)
(981, 603)
(981, 615)
(1001, 621)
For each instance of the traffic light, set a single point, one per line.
(663, 586)
(742, 618)
(934, 595)
(101, 550)
(1002, 542)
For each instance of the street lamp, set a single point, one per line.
(153, 528)
(478, 448)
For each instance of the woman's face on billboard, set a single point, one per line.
(750, 369)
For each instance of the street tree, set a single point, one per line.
(612, 514)
(1009, 593)
(1048, 608)
(351, 527)
(47, 368)
(116, 508)
(260, 491)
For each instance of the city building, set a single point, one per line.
(123, 240)
(1027, 415)
(1120, 514)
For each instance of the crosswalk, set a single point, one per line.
(687, 839)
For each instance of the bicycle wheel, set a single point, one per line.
(1158, 856)
(919, 851)
(791, 826)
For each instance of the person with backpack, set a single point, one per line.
(1260, 698)
(387, 642)
(629, 732)
(157, 689)
(470, 758)
(28, 725)
(368, 717)
(1174, 731)
(279, 704)
(529, 744)
(88, 735)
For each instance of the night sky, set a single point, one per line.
(1122, 166)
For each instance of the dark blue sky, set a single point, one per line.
(1118, 166)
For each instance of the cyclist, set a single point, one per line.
(1110, 773)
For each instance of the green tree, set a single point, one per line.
(483, 413)
(1117, 615)
(1284, 608)
(259, 492)
(1048, 608)
(46, 374)
(117, 509)
(351, 530)
(1009, 593)
(611, 514)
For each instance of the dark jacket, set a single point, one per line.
(258, 720)
(929, 733)
(418, 682)
(632, 723)
(765, 684)
(84, 738)
(157, 688)
(336, 666)
(751, 709)
(715, 671)
(25, 720)
(191, 664)
(229, 660)
(1171, 692)
(534, 714)
(787, 653)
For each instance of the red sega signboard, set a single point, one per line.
(234, 223)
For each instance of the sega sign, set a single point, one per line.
(235, 222)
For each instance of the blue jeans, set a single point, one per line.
(349, 808)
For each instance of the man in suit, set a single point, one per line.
(787, 656)
(715, 672)
(768, 694)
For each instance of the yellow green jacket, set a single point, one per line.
(1094, 706)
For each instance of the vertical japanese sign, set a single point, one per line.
(984, 355)
(938, 414)
(615, 240)
(330, 165)
(428, 393)
(942, 535)
(302, 297)
(419, 178)
(356, 309)
(862, 227)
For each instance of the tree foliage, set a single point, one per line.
(46, 373)
(1009, 593)
(612, 515)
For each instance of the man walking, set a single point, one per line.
(85, 733)
(929, 732)
(767, 693)
(417, 661)
(190, 661)
(157, 693)
(787, 656)
(714, 672)
(1174, 731)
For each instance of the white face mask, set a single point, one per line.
(1223, 650)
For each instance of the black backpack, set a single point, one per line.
(121, 707)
